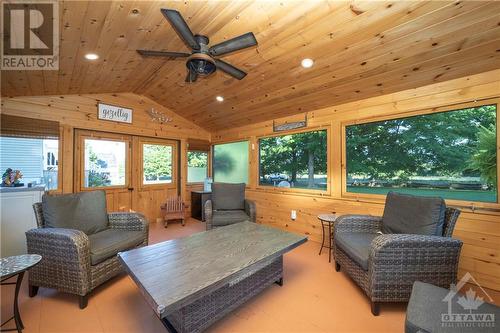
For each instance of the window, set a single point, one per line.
(197, 166)
(37, 159)
(157, 163)
(294, 160)
(231, 162)
(450, 154)
(105, 163)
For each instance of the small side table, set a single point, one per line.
(327, 221)
(10, 267)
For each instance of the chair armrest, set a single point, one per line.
(415, 252)
(65, 256)
(358, 223)
(67, 243)
(208, 213)
(128, 221)
(251, 210)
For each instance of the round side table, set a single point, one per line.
(10, 267)
(327, 222)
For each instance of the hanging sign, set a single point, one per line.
(114, 113)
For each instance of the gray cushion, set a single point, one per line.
(228, 196)
(427, 304)
(226, 217)
(84, 211)
(409, 214)
(109, 242)
(356, 245)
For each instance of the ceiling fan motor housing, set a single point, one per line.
(200, 62)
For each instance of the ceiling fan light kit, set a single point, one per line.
(201, 61)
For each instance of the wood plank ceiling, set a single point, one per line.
(360, 48)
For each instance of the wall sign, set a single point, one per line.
(114, 113)
(289, 125)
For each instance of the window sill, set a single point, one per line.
(290, 190)
(465, 206)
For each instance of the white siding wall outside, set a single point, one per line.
(22, 154)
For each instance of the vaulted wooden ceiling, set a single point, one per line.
(360, 48)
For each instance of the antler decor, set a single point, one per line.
(158, 116)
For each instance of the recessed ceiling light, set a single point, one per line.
(91, 56)
(307, 63)
(219, 98)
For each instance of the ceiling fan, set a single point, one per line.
(201, 61)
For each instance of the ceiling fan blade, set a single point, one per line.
(237, 43)
(230, 69)
(150, 53)
(191, 76)
(181, 27)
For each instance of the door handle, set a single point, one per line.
(130, 189)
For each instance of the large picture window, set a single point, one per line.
(37, 159)
(294, 160)
(30, 146)
(230, 162)
(450, 154)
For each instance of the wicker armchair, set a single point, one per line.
(396, 261)
(228, 205)
(67, 255)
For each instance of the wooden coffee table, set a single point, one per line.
(194, 281)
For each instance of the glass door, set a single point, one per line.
(155, 171)
(137, 173)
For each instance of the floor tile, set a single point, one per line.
(314, 298)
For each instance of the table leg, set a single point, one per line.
(329, 242)
(322, 237)
(170, 328)
(17, 315)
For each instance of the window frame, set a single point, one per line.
(249, 171)
(60, 163)
(276, 189)
(58, 189)
(209, 164)
(79, 183)
(141, 141)
(453, 107)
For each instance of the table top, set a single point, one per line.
(328, 217)
(16, 264)
(174, 273)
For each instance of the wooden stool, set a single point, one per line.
(173, 209)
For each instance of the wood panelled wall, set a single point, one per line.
(80, 112)
(479, 229)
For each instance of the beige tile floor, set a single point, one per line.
(314, 298)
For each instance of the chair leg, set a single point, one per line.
(33, 290)
(83, 301)
(375, 308)
(165, 223)
(183, 222)
(337, 267)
